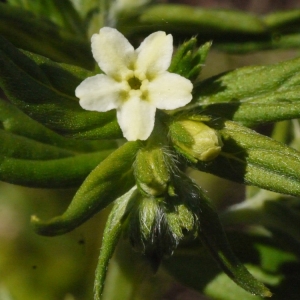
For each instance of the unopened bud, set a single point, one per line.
(195, 140)
(155, 227)
(148, 230)
(151, 171)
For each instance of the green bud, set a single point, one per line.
(195, 140)
(151, 171)
(147, 228)
(149, 210)
(155, 226)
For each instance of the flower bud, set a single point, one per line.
(155, 226)
(195, 140)
(151, 171)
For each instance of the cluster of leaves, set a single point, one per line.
(64, 28)
(47, 138)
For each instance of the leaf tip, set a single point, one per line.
(267, 293)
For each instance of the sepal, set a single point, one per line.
(188, 60)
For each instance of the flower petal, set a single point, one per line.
(136, 118)
(113, 52)
(99, 93)
(155, 53)
(170, 91)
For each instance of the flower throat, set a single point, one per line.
(134, 83)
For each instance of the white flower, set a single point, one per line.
(136, 81)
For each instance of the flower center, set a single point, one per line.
(135, 83)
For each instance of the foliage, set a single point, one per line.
(240, 126)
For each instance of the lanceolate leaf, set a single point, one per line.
(108, 181)
(288, 20)
(15, 121)
(62, 13)
(251, 114)
(254, 159)
(183, 19)
(252, 95)
(63, 77)
(213, 237)
(284, 41)
(232, 31)
(20, 147)
(28, 87)
(268, 257)
(111, 236)
(55, 173)
(250, 84)
(41, 36)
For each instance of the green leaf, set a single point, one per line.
(277, 41)
(255, 159)
(288, 20)
(16, 122)
(189, 268)
(232, 31)
(280, 214)
(252, 95)
(264, 258)
(62, 13)
(26, 31)
(108, 181)
(249, 84)
(111, 236)
(23, 148)
(63, 77)
(283, 26)
(36, 93)
(55, 173)
(212, 235)
(286, 107)
(207, 23)
(283, 217)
